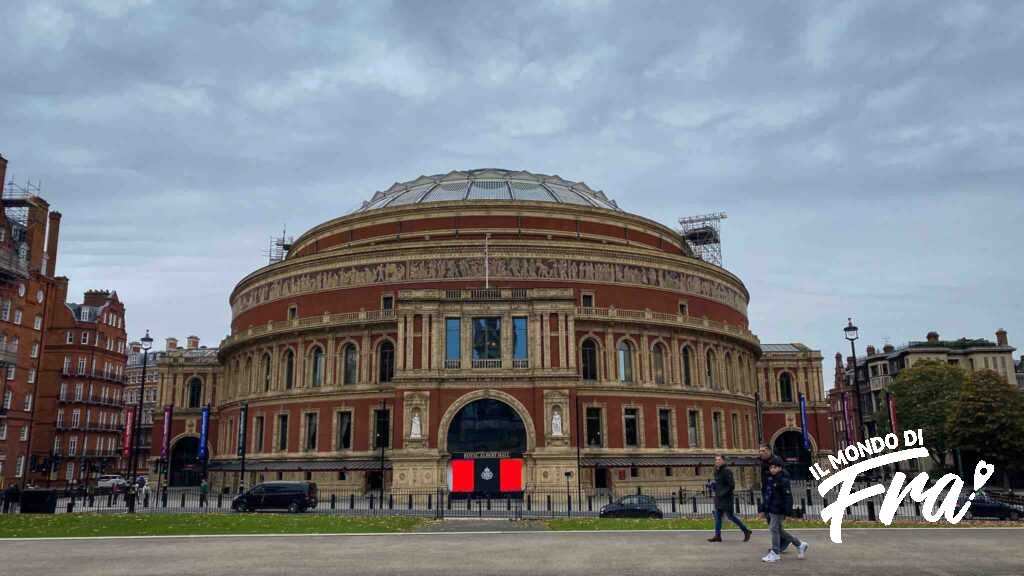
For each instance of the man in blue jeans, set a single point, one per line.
(725, 485)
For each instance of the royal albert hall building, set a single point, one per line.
(492, 319)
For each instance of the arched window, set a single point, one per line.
(250, 384)
(195, 393)
(658, 363)
(316, 370)
(265, 369)
(289, 369)
(785, 387)
(386, 362)
(687, 367)
(710, 367)
(350, 359)
(588, 357)
(625, 361)
(727, 381)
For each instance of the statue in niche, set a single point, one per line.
(416, 428)
(556, 421)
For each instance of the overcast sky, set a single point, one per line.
(870, 155)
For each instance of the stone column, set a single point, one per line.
(571, 339)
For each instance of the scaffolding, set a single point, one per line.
(279, 247)
(703, 235)
(17, 200)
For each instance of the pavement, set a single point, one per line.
(989, 552)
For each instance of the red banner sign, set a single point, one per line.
(129, 421)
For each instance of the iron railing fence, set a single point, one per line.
(441, 503)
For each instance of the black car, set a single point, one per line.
(291, 496)
(636, 506)
(985, 506)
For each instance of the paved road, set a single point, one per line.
(926, 551)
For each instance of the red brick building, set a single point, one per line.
(28, 252)
(484, 314)
(80, 425)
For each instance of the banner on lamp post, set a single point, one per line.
(204, 427)
(166, 444)
(126, 442)
(803, 421)
(846, 418)
(243, 420)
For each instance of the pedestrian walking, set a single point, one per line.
(764, 454)
(725, 486)
(778, 505)
(204, 489)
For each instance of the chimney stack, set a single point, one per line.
(192, 342)
(888, 348)
(871, 350)
(3, 171)
(135, 347)
(1001, 337)
(172, 344)
(933, 337)
(52, 234)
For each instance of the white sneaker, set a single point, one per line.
(771, 557)
(801, 550)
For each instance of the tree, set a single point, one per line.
(986, 420)
(925, 396)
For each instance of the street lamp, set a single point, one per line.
(147, 343)
(568, 496)
(852, 335)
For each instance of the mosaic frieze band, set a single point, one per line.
(511, 268)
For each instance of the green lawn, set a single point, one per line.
(91, 524)
(709, 524)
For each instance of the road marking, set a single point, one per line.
(469, 533)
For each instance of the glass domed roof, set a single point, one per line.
(489, 184)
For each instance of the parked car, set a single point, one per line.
(636, 506)
(111, 483)
(285, 495)
(985, 506)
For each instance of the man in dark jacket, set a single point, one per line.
(778, 504)
(764, 454)
(724, 499)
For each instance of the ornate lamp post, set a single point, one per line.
(852, 334)
(147, 343)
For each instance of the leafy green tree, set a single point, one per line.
(986, 420)
(926, 394)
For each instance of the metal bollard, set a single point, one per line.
(410, 501)
(163, 498)
(351, 501)
(590, 503)
(182, 499)
(220, 499)
(391, 501)
(549, 502)
(673, 505)
(430, 501)
(694, 504)
(110, 500)
(145, 500)
(871, 511)
(529, 502)
(92, 501)
(333, 499)
(371, 501)
(71, 505)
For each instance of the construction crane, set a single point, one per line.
(703, 235)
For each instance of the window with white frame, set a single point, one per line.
(17, 316)
(28, 401)
(11, 369)
(69, 471)
(31, 375)
(8, 399)
(69, 337)
(56, 445)
(78, 392)
(76, 418)
(19, 468)
(67, 363)
(85, 337)
(37, 323)
(35, 350)
(60, 418)
(39, 296)
(72, 445)
(21, 290)
(3, 430)
(81, 365)
(23, 434)
(5, 310)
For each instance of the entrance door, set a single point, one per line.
(601, 478)
(373, 481)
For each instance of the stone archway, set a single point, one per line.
(186, 469)
(788, 444)
(449, 415)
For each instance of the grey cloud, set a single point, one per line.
(869, 154)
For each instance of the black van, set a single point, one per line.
(291, 496)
